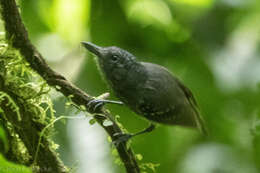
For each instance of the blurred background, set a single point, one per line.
(213, 46)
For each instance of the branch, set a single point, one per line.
(17, 34)
(28, 129)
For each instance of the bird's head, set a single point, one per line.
(112, 60)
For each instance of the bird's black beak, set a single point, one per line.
(93, 48)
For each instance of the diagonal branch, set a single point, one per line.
(17, 34)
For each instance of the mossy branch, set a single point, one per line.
(28, 131)
(18, 36)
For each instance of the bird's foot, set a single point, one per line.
(121, 137)
(95, 105)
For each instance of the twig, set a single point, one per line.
(17, 34)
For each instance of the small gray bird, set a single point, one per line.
(148, 89)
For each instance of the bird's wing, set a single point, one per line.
(199, 120)
(188, 94)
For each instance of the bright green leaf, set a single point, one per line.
(9, 167)
(92, 121)
(4, 139)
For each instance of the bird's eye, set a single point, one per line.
(114, 58)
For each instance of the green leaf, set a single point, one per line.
(139, 156)
(9, 167)
(92, 121)
(107, 123)
(4, 139)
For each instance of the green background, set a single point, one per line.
(213, 46)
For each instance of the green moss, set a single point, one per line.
(31, 91)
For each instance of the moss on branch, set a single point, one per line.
(18, 37)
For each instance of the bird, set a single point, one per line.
(148, 89)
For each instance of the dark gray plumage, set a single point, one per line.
(148, 89)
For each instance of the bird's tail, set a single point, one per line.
(200, 121)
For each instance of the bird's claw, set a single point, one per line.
(95, 105)
(121, 137)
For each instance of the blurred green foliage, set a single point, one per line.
(3, 141)
(6, 166)
(213, 46)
